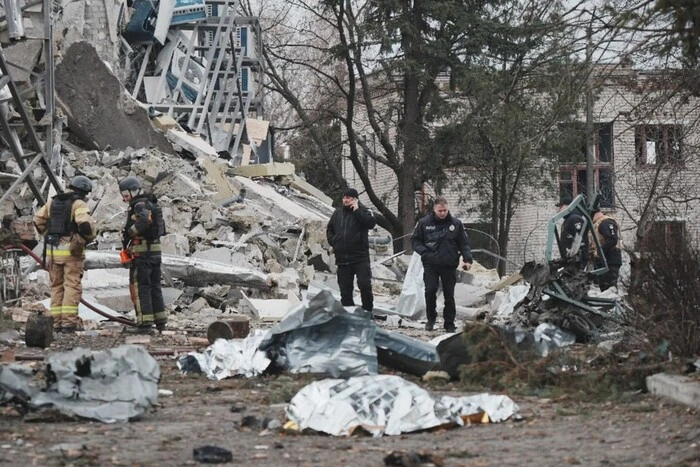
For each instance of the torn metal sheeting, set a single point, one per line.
(387, 404)
(228, 358)
(321, 336)
(115, 385)
(403, 353)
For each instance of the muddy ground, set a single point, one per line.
(641, 430)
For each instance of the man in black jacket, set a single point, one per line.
(439, 238)
(347, 234)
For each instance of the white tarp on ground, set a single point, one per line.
(115, 385)
(228, 358)
(387, 404)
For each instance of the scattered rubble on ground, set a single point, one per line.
(246, 263)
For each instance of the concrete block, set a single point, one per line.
(273, 169)
(217, 175)
(678, 388)
(191, 143)
(198, 232)
(165, 123)
(219, 255)
(305, 187)
(23, 227)
(175, 244)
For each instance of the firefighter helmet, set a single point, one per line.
(130, 184)
(81, 183)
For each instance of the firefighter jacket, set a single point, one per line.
(347, 233)
(608, 234)
(78, 231)
(138, 225)
(439, 242)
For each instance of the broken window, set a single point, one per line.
(573, 176)
(658, 144)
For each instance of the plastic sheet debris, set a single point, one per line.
(514, 295)
(115, 385)
(412, 299)
(322, 336)
(403, 353)
(387, 404)
(549, 337)
(228, 358)
(212, 455)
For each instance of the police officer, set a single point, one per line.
(439, 238)
(67, 227)
(571, 228)
(141, 237)
(608, 233)
(347, 233)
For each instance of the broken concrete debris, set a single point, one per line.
(115, 385)
(387, 405)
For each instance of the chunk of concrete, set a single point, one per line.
(219, 255)
(175, 244)
(96, 104)
(191, 143)
(216, 174)
(305, 187)
(677, 388)
(273, 169)
(269, 309)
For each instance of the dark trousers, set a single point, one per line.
(432, 275)
(608, 279)
(146, 291)
(346, 278)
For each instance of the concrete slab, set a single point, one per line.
(191, 143)
(678, 388)
(217, 174)
(279, 201)
(273, 169)
(269, 310)
(305, 187)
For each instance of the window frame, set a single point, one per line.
(640, 146)
(599, 166)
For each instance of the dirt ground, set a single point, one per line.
(641, 431)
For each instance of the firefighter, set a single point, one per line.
(67, 227)
(608, 233)
(141, 239)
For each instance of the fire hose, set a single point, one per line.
(117, 319)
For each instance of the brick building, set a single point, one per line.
(646, 141)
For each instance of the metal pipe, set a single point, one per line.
(117, 319)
